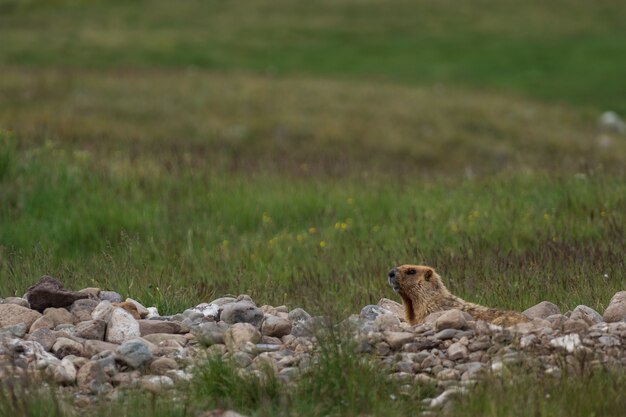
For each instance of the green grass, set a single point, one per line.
(562, 50)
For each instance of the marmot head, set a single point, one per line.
(414, 280)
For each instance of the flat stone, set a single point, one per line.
(12, 314)
(451, 319)
(147, 327)
(121, 327)
(49, 292)
(158, 338)
(542, 310)
(447, 334)
(616, 311)
(275, 327)
(242, 312)
(396, 340)
(91, 329)
(134, 353)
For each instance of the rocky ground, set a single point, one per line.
(96, 342)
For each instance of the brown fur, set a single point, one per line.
(130, 307)
(423, 292)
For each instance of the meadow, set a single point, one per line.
(179, 151)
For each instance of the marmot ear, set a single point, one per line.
(428, 274)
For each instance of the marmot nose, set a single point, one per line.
(392, 273)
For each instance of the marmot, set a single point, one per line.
(423, 292)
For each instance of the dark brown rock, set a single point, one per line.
(49, 292)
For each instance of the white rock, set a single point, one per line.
(65, 372)
(152, 312)
(570, 342)
(122, 326)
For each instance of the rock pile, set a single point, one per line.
(95, 341)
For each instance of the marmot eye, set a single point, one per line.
(411, 272)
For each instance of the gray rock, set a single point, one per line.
(63, 347)
(396, 340)
(121, 327)
(92, 329)
(542, 310)
(166, 338)
(65, 373)
(242, 312)
(42, 322)
(49, 292)
(161, 366)
(241, 359)
(156, 383)
(276, 327)
(17, 330)
(396, 308)
(82, 309)
(609, 341)
(370, 312)
(134, 353)
(59, 316)
(588, 314)
(12, 314)
(298, 314)
(241, 333)
(16, 300)
(447, 334)
(110, 296)
(103, 311)
(45, 337)
(457, 351)
(95, 347)
(610, 121)
(210, 333)
(616, 311)
(147, 327)
(451, 319)
(91, 377)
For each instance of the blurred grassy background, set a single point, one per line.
(177, 151)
